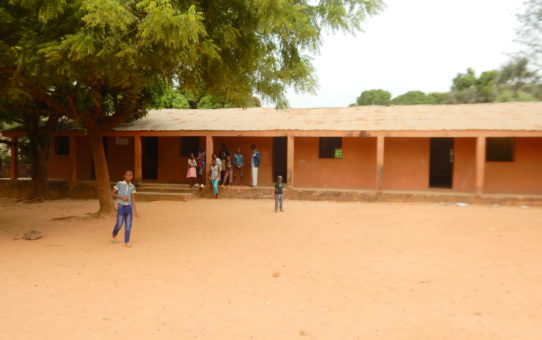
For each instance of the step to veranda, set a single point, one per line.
(147, 196)
(166, 189)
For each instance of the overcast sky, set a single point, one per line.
(413, 45)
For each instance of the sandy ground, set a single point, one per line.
(204, 270)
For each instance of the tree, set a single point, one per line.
(438, 98)
(374, 97)
(411, 98)
(516, 75)
(171, 98)
(530, 31)
(102, 62)
(209, 102)
(39, 123)
(468, 88)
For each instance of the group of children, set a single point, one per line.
(230, 167)
(225, 168)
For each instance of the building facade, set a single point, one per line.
(475, 148)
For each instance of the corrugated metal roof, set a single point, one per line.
(494, 116)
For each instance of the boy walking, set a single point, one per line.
(124, 192)
(279, 186)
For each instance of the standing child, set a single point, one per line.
(222, 165)
(214, 177)
(279, 186)
(201, 165)
(124, 192)
(218, 163)
(238, 163)
(228, 174)
(191, 173)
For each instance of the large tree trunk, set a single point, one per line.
(39, 150)
(101, 171)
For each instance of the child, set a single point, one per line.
(279, 185)
(201, 165)
(191, 173)
(228, 174)
(124, 192)
(238, 161)
(222, 166)
(214, 177)
(218, 163)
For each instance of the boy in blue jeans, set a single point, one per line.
(124, 192)
(279, 186)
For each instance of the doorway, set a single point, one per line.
(441, 163)
(150, 157)
(280, 157)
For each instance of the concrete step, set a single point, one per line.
(147, 196)
(167, 189)
(164, 187)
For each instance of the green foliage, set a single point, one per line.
(516, 76)
(411, 98)
(509, 96)
(171, 98)
(530, 31)
(374, 97)
(208, 102)
(438, 98)
(108, 56)
(468, 88)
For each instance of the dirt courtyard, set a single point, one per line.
(205, 269)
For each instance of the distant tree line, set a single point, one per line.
(515, 81)
(175, 98)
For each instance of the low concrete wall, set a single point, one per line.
(87, 190)
(20, 189)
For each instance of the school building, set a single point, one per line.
(471, 148)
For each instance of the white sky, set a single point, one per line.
(413, 45)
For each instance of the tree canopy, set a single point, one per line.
(104, 62)
(411, 98)
(374, 97)
(530, 31)
(514, 81)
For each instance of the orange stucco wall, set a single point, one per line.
(119, 158)
(58, 166)
(172, 166)
(523, 175)
(357, 168)
(263, 144)
(464, 164)
(406, 163)
(84, 159)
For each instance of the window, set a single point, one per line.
(500, 150)
(62, 145)
(330, 147)
(188, 145)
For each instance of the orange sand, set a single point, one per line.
(208, 270)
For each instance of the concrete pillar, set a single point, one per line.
(379, 163)
(290, 162)
(209, 149)
(73, 162)
(14, 166)
(138, 164)
(480, 164)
